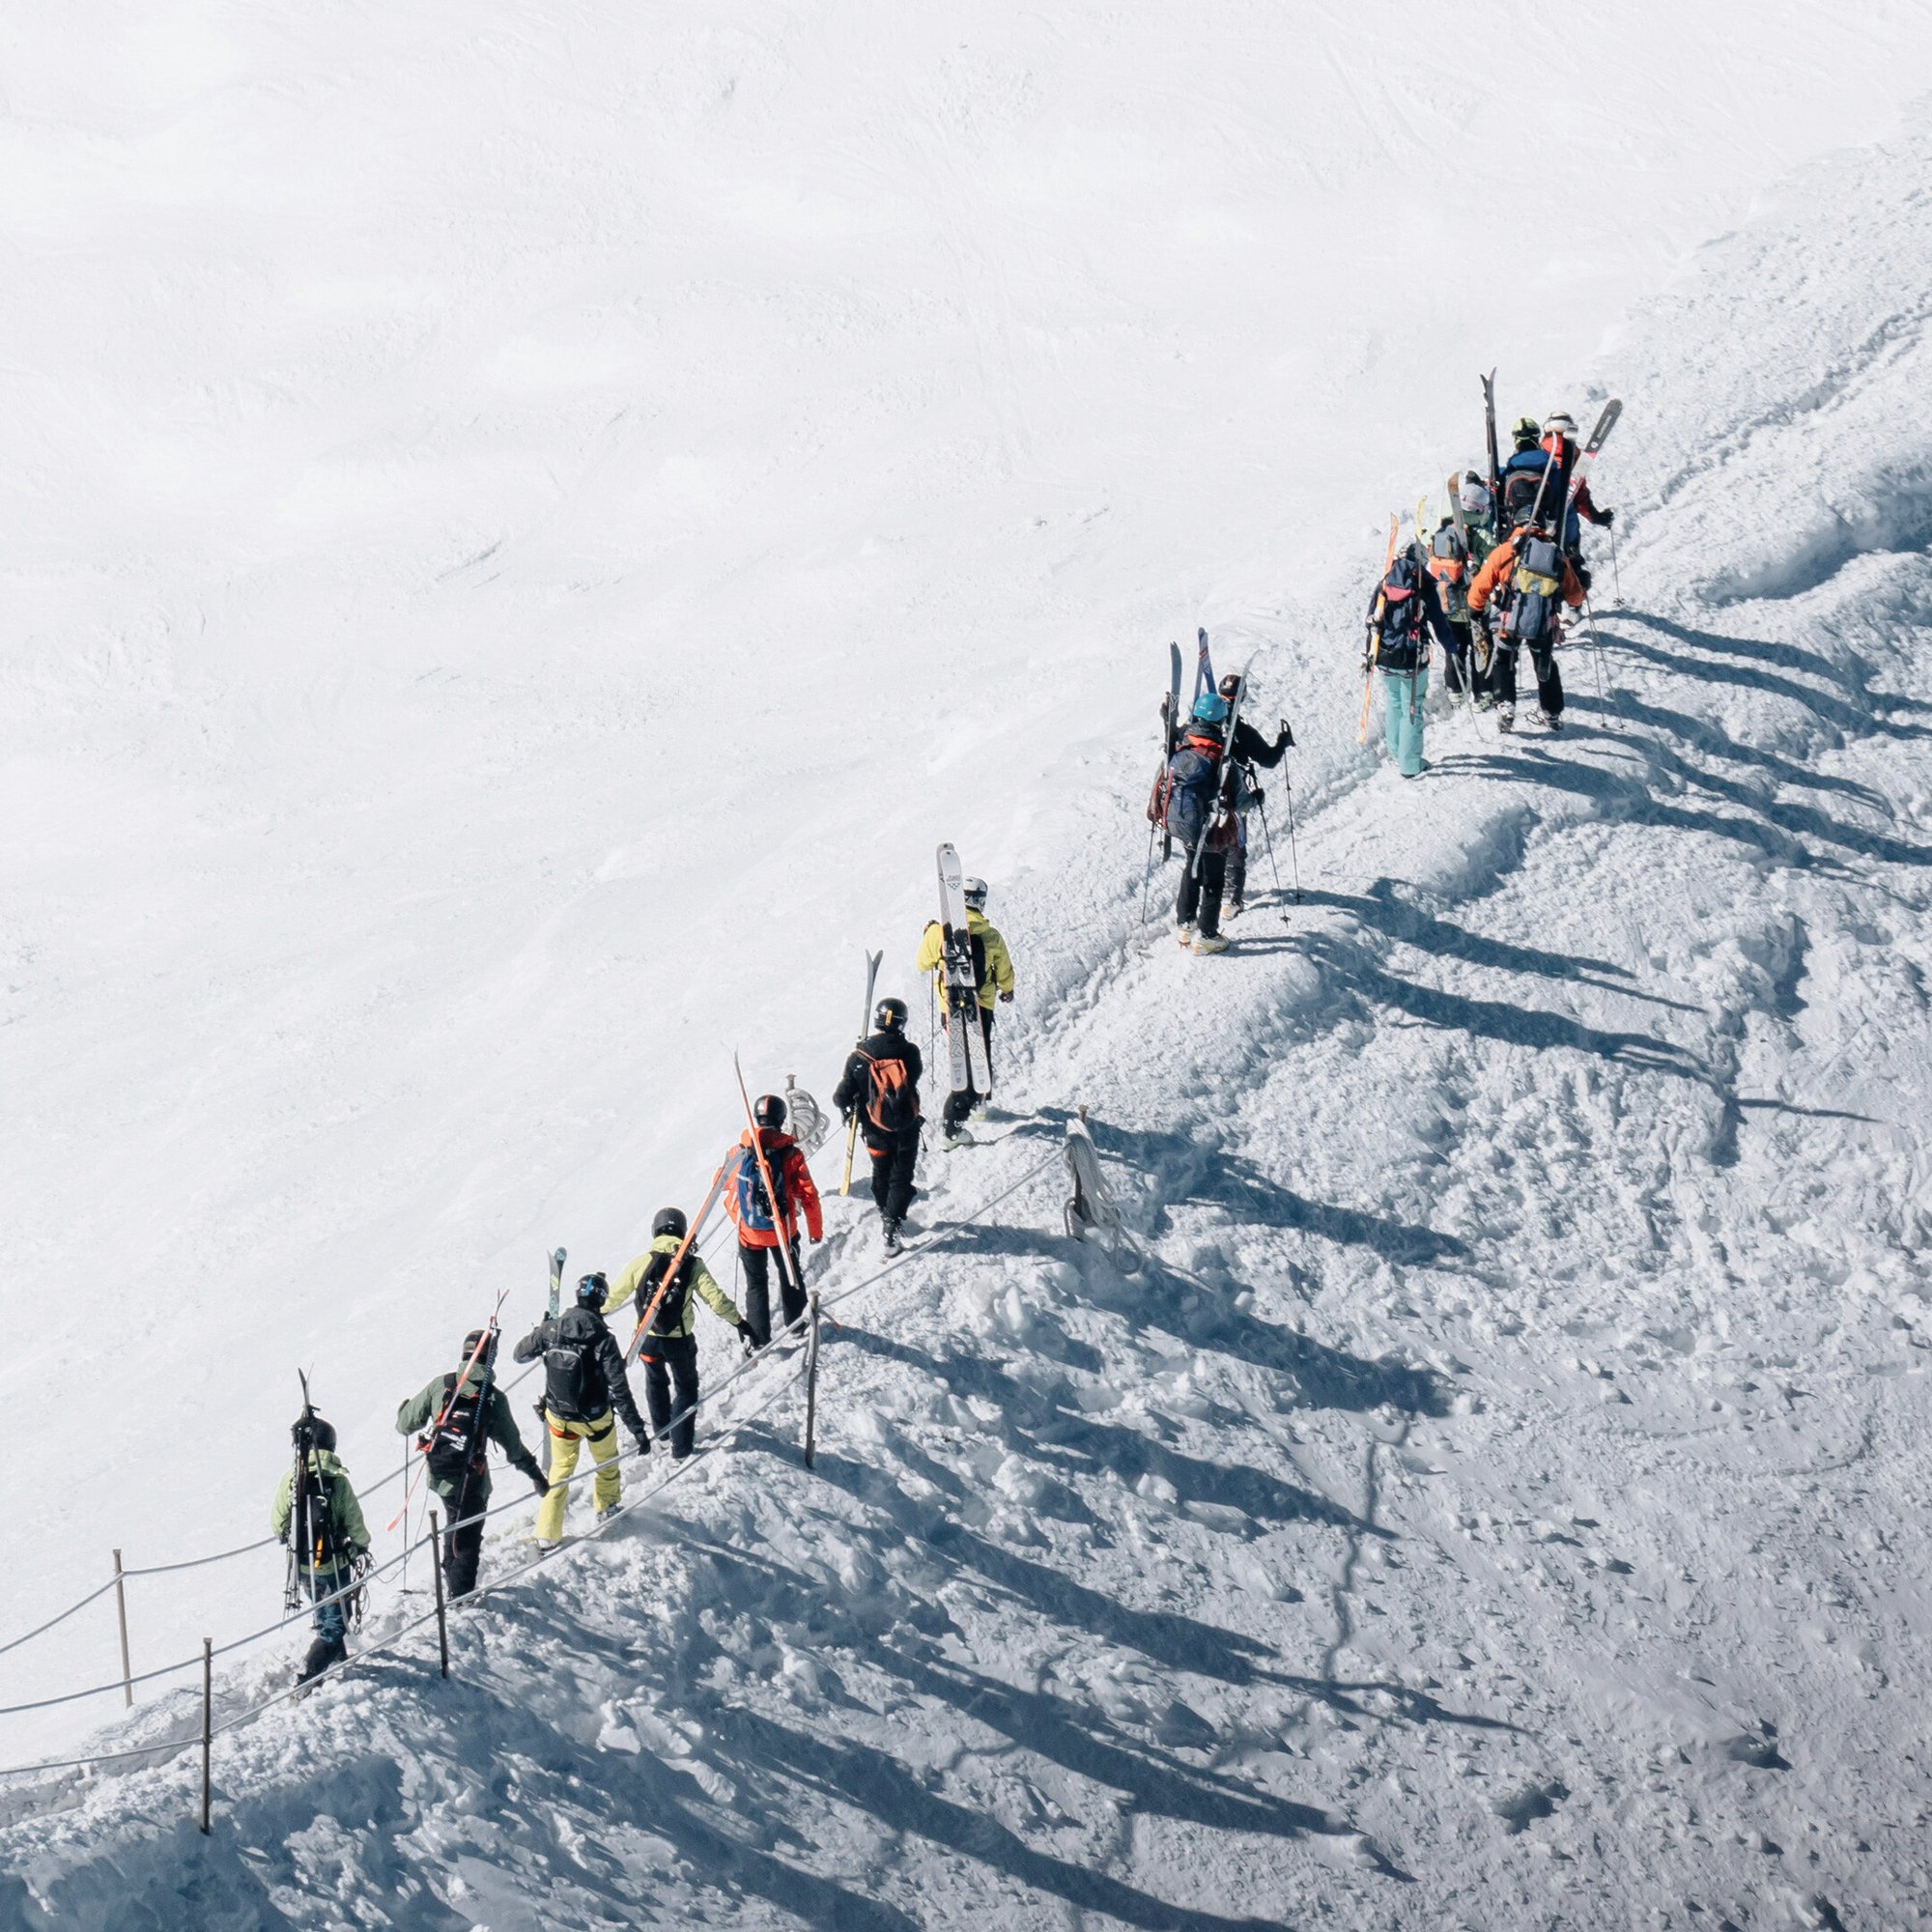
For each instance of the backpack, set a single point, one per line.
(1192, 775)
(1448, 557)
(1401, 621)
(456, 1446)
(572, 1384)
(312, 1516)
(1521, 490)
(755, 1211)
(1537, 580)
(891, 1100)
(670, 1318)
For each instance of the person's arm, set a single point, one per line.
(803, 1189)
(915, 1064)
(533, 1343)
(502, 1429)
(851, 1083)
(1573, 586)
(1252, 748)
(626, 1284)
(715, 1298)
(350, 1527)
(1491, 575)
(611, 1359)
(999, 963)
(932, 949)
(417, 1412)
(1434, 614)
(284, 1507)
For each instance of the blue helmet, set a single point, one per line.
(1211, 708)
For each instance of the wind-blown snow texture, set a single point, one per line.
(1498, 1503)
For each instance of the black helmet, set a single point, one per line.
(1528, 433)
(488, 1337)
(770, 1111)
(670, 1221)
(311, 1431)
(889, 1015)
(591, 1290)
(1230, 685)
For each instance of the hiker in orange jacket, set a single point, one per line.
(1524, 575)
(759, 1225)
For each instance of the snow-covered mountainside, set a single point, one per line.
(1497, 1502)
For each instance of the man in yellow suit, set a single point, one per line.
(993, 971)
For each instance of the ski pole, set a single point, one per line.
(1268, 832)
(1147, 877)
(1616, 576)
(1597, 638)
(1294, 857)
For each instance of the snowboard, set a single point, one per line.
(965, 1043)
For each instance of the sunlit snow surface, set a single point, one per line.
(524, 530)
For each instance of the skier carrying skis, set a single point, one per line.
(760, 1229)
(1192, 794)
(1404, 613)
(1250, 748)
(1525, 575)
(330, 1539)
(586, 1395)
(1522, 482)
(670, 1342)
(993, 980)
(880, 1088)
(1456, 552)
(463, 1413)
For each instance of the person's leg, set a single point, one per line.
(1188, 901)
(882, 1172)
(1549, 680)
(1414, 712)
(1456, 657)
(791, 1287)
(905, 1162)
(1504, 677)
(463, 1551)
(681, 1354)
(756, 1264)
(1395, 694)
(1214, 876)
(609, 1484)
(1238, 866)
(657, 1386)
(564, 1437)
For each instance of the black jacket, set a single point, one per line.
(1252, 748)
(605, 1386)
(855, 1083)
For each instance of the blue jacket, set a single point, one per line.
(1535, 462)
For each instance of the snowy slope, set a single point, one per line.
(1519, 1417)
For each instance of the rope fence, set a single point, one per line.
(799, 1365)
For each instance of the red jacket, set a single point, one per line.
(793, 1179)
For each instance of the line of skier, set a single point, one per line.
(772, 1201)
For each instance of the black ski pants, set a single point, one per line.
(959, 1105)
(1549, 677)
(463, 1540)
(894, 1157)
(671, 1388)
(1200, 898)
(759, 1265)
(1459, 664)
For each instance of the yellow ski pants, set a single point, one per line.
(600, 1432)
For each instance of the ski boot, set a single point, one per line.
(1211, 941)
(1184, 934)
(1552, 720)
(544, 1544)
(952, 1138)
(607, 1511)
(890, 1228)
(1506, 717)
(1233, 908)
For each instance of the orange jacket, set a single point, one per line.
(1496, 569)
(793, 1178)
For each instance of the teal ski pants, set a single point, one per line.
(1405, 696)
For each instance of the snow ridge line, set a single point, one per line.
(735, 1424)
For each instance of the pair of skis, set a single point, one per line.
(1376, 630)
(971, 1066)
(1171, 716)
(864, 1028)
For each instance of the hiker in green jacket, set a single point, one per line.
(459, 1414)
(316, 1506)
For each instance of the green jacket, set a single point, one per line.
(499, 1426)
(351, 1535)
(698, 1281)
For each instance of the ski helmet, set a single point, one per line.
(1562, 423)
(311, 1431)
(770, 1111)
(890, 1015)
(1525, 432)
(591, 1290)
(670, 1221)
(1230, 685)
(488, 1338)
(1211, 708)
(975, 892)
(1474, 496)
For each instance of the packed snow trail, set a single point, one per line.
(1497, 1502)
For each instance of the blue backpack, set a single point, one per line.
(753, 1203)
(1192, 775)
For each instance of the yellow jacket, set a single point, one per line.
(677, 1313)
(996, 974)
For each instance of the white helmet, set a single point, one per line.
(1474, 495)
(975, 894)
(1562, 423)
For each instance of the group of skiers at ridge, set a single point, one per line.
(769, 1193)
(1491, 582)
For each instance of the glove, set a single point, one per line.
(748, 1336)
(1606, 518)
(643, 1441)
(1283, 732)
(539, 1482)
(1005, 998)
(845, 1117)
(1257, 793)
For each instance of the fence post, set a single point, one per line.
(436, 1566)
(121, 1605)
(207, 1727)
(812, 1382)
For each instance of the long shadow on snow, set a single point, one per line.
(1063, 1436)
